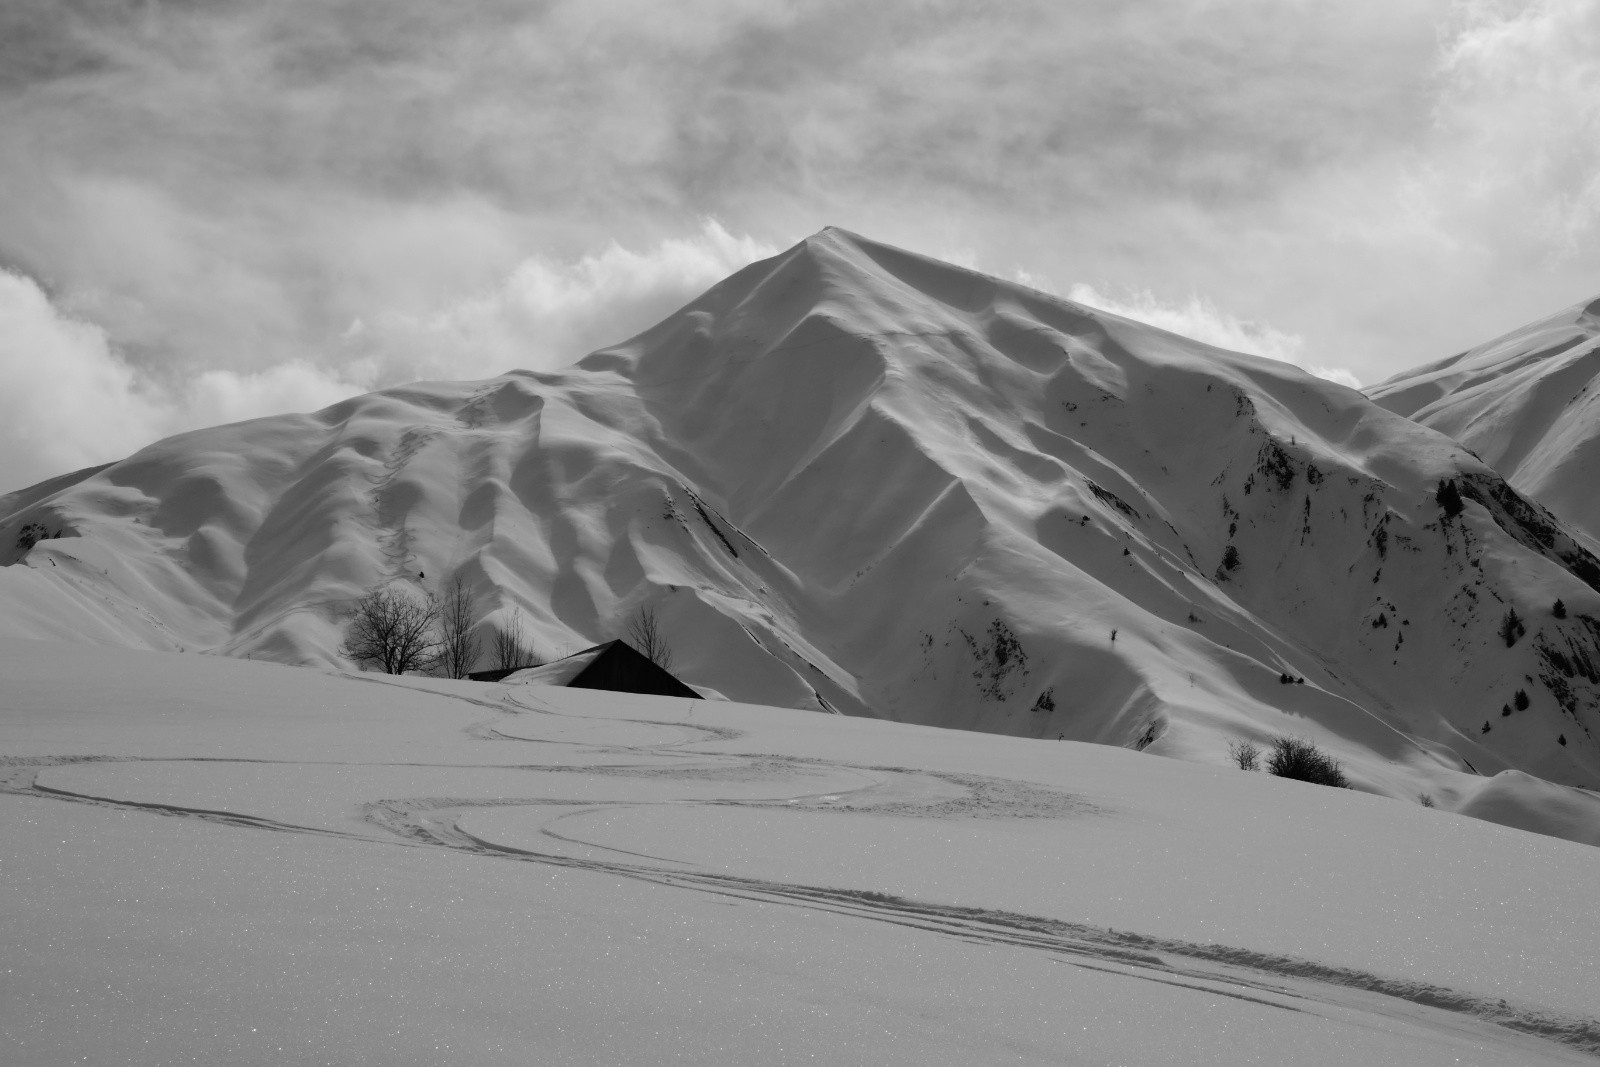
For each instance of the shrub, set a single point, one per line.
(1302, 760)
(1425, 799)
(1247, 754)
(1521, 700)
(1559, 610)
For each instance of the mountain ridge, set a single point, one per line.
(1525, 402)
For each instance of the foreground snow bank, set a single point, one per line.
(235, 862)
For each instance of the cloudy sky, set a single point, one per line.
(215, 209)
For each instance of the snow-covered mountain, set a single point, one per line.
(853, 478)
(1528, 403)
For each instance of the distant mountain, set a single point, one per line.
(1528, 403)
(856, 479)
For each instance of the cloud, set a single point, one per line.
(229, 186)
(71, 399)
(1520, 110)
(221, 396)
(548, 313)
(1202, 320)
(68, 401)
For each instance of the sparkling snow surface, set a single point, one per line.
(206, 860)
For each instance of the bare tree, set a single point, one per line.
(511, 649)
(1247, 754)
(644, 634)
(458, 645)
(393, 630)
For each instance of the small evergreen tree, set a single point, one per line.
(1559, 610)
(1511, 627)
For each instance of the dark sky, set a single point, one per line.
(217, 209)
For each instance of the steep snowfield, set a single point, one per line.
(1527, 403)
(208, 860)
(856, 479)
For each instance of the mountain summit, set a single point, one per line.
(853, 478)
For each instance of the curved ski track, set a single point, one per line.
(1283, 982)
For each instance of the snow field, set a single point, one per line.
(211, 859)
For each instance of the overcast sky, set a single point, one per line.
(215, 209)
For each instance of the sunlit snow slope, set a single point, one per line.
(1528, 403)
(854, 478)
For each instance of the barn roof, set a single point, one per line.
(615, 665)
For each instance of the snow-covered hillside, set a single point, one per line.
(854, 478)
(1528, 403)
(204, 860)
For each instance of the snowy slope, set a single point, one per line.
(1527, 403)
(858, 479)
(208, 860)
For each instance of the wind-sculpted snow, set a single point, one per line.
(854, 479)
(352, 849)
(1526, 403)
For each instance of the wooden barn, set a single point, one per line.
(614, 665)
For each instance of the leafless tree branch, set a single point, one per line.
(393, 631)
(458, 645)
(644, 634)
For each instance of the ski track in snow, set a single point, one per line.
(1283, 982)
